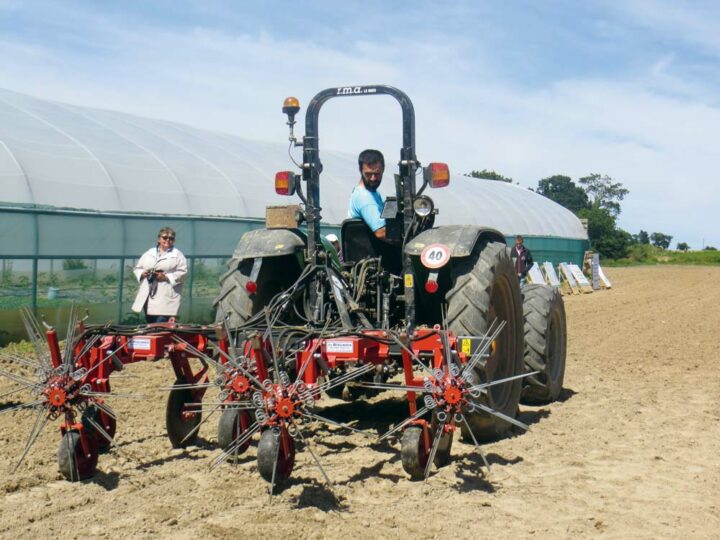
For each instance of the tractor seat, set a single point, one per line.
(359, 242)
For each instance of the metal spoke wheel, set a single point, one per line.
(233, 423)
(275, 453)
(181, 419)
(75, 460)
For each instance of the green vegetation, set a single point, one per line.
(647, 254)
(489, 175)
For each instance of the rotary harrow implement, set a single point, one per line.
(434, 314)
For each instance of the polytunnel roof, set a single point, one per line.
(67, 156)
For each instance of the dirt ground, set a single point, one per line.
(631, 450)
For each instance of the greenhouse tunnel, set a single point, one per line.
(85, 191)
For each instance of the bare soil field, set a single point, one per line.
(631, 450)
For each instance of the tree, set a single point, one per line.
(709, 248)
(489, 175)
(604, 193)
(563, 191)
(605, 237)
(682, 246)
(660, 240)
(642, 237)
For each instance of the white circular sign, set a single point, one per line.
(435, 256)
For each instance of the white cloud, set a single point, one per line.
(653, 131)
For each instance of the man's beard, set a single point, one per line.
(370, 185)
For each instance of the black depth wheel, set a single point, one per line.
(545, 343)
(269, 449)
(233, 423)
(485, 288)
(75, 464)
(413, 452)
(442, 454)
(180, 419)
(104, 420)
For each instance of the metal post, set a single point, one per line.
(34, 284)
(191, 272)
(120, 290)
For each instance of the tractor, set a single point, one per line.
(455, 282)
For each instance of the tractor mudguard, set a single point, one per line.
(269, 243)
(461, 239)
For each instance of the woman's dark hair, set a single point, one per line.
(370, 157)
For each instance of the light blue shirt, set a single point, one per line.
(367, 205)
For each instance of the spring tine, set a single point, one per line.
(40, 421)
(11, 392)
(500, 415)
(480, 352)
(390, 386)
(312, 352)
(19, 360)
(227, 404)
(335, 423)
(107, 410)
(113, 394)
(433, 449)
(108, 357)
(245, 372)
(405, 423)
(268, 334)
(197, 428)
(101, 431)
(237, 443)
(70, 334)
(272, 477)
(199, 354)
(34, 334)
(411, 353)
(91, 342)
(22, 406)
(350, 375)
(477, 445)
(188, 386)
(483, 386)
(317, 461)
(19, 379)
(228, 335)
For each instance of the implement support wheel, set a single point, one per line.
(75, 462)
(233, 423)
(275, 446)
(180, 419)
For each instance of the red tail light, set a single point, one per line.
(251, 287)
(431, 287)
(437, 175)
(284, 183)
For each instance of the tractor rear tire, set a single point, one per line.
(545, 343)
(485, 287)
(234, 301)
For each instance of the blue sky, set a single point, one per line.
(630, 89)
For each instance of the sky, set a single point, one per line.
(529, 89)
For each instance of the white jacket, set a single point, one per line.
(167, 298)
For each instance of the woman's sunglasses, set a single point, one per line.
(166, 237)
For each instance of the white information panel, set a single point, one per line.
(578, 275)
(550, 274)
(535, 275)
(603, 278)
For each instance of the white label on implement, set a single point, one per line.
(139, 343)
(435, 256)
(339, 346)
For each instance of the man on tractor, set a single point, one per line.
(366, 202)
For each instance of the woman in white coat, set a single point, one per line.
(160, 271)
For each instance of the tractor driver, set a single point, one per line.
(366, 202)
